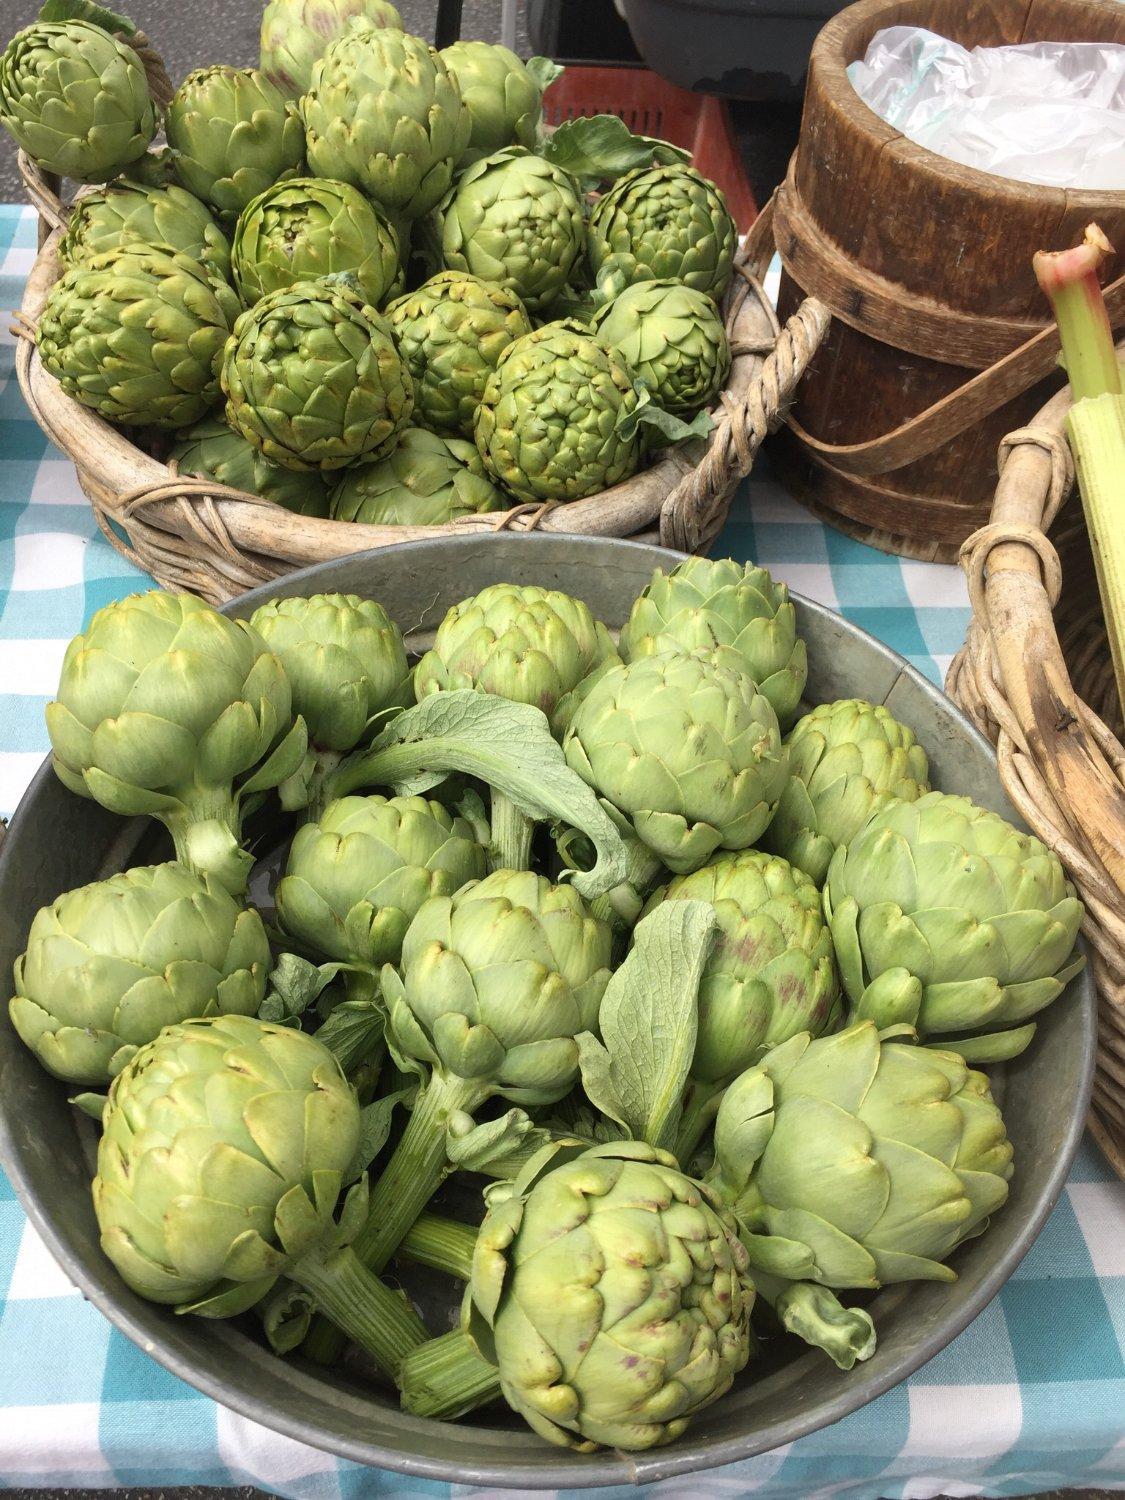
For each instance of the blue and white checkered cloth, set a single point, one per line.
(1031, 1397)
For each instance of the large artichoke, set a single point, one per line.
(451, 332)
(384, 113)
(295, 34)
(426, 480)
(125, 211)
(234, 135)
(138, 335)
(673, 338)
(702, 604)
(668, 223)
(846, 760)
(687, 748)
(109, 965)
(210, 450)
(307, 228)
(514, 219)
(163, 706)
(611, 1292)
(313, 379)
(505, 103)
(76, 99)
(557, 420)
(948, 919)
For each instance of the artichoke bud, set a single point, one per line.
(673, 338)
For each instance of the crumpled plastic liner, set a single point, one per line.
(1045, 112)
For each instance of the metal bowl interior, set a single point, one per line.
(58, 841)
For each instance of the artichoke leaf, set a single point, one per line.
(601, 148)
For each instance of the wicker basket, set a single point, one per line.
(216, 541)
(1035, 675)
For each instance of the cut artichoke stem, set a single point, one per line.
(816, 1315)
(441, 1244)
(512, 832)
(206, 839)
(361, 1306)
(445, 1377)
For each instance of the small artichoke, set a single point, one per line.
(451, 333)
(76, 99)
(514, 219)
(505, 103)
(426, 480)
(557, 418)
(667, 223)
(307, 228)
(109, 965)
(687, 748)
(611, 1292)
(313, 379)
(673, 338)
(947, 919)
(234, 135)
(126, 211)
(210, 450)
(847, 760)
(137, 334)
(384, 113)
(702, 604)
(295, 34)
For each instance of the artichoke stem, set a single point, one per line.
(207, 837)
(816, 1315)
(440, 1243)
(701, 1104)
(511, 835)
(367, 1311)
(446, 1377)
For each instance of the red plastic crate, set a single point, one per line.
(650, 105)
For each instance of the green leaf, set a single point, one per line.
(295, 984)
(374, 1128)
(671, 429)
(544, 71)
(86, 10)
(600, 148)
(353, 1032)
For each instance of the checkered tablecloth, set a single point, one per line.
(1030, 1397)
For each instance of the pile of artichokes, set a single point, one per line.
(692, 983)
(363, 281)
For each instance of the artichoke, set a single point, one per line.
(384, 113)
(687, 748)
(234, 135)
(667, 223)
(557, 418)
(846, 761)
(76, 99)
(426, 480)
(126, 211)
(451, 333)
(516, 220)
(225, 1145)
(505, 103)
(313, 379)
(307, 228)
(611, 1292)
(109, 965)
(163, 703)
(770, 975)
(295, 34)
(138, 335)
(210, 450)
(947, 919)
(702, 604)
(673, 338)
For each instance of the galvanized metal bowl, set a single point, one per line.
(58, 841)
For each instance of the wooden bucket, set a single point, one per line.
(938, 344)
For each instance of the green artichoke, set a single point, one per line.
(557, 418)
(295, 34)
(426, 480)
(225, 1145)
(505, 103)
(307, 228)
(687, 748)
(210, 450)
(137, 334)
(947, 919)
(126, 211)
(384, 113)
(611, 1292)
(667, 223)
(451, 333)
(163, 703)
(702, 604)
(76, 99)
(313, 379)
(109, 965)
(673, 338)
(846, 761)
(234, 135)
(514, 219)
